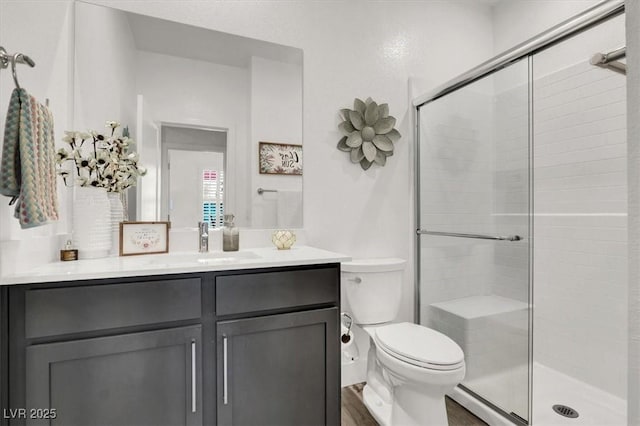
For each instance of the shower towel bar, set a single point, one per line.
(610, 60)
(477, 236)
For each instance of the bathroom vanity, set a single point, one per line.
(250, 341)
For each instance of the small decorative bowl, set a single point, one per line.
(283, 239)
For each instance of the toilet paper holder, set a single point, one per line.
(346, 336)
(350, 351)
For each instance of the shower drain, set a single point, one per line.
(565, 411)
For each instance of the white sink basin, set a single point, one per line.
(203, 258)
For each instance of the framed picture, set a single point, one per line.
(144, 238)
(279, 158)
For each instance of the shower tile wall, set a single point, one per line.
(456, 196)
(580, 225)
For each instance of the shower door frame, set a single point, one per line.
(591, 17)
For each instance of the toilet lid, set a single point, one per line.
(420, 346)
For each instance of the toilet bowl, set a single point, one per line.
(422, 365)
(410, 367)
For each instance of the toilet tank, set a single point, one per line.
(373, 288)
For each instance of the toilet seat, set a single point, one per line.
(419, 346)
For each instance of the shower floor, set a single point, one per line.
(595, 407)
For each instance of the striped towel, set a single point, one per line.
(27, 168)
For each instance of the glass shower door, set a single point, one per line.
(474, 221)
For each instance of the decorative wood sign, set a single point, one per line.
(280, 158)
(144, 238)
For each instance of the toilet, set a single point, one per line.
(410, 367)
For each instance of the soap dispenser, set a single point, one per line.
(230, 234)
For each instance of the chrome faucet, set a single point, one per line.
(203, 237)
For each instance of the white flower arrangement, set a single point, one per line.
(108, 165)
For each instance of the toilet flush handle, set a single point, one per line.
(356, 280)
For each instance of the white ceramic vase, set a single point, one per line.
(91, 222)
(117, 216)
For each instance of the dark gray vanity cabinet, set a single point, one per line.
(109, 352)
(278, 350)
(250, 347)
(279, 370)
(149, 378)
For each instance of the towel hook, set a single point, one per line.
(14, 59)
(4, 58)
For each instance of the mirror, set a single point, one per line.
(198, 103)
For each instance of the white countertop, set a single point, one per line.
(173, 263)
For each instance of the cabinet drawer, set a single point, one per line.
(55, 311)
(276, 290)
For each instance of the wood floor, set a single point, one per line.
(354, 413)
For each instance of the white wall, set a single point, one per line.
(104, 84)
(105, 57)
(191, 92)
(633, 159)
(517, 21)
(148, 143)
(52, 48)
(276, 116)
(43, 31)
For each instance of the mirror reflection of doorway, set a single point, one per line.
(196, 187)
(193, 163)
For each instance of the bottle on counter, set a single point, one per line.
(68, 252)
(230, 234)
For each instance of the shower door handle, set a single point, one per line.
(476, 236)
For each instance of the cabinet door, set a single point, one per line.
(150, 378)
(279, 370)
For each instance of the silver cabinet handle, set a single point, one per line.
(225, 397)
(193, 376)
(356, 280)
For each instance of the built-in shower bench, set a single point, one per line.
(492, 331)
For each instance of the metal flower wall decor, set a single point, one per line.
(368, 133)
